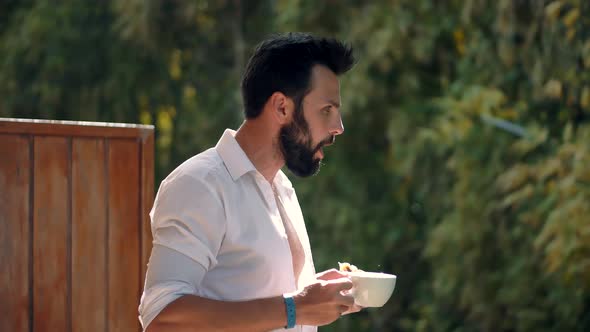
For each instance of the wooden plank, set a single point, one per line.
(89, 221)
(15, 233)
(147, 199)
(74, 128)
(50, 234)
(123, 235)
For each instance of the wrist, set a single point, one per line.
(290, 310)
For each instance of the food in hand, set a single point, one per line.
(347, 267)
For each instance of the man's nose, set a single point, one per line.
(337, 127)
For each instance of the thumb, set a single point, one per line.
(341, 283)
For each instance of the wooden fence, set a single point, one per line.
(74, 224)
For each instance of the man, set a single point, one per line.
(231, 252)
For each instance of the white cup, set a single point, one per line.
(371, 289)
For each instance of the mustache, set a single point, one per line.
(325, 142)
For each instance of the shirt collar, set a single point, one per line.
(235, 159)
(282, 183)
(237, 162)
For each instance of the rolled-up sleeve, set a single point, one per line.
(188, 225)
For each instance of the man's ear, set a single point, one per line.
(282, 107)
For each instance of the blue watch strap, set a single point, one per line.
(290, 307)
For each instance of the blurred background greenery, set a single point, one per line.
(465, 166)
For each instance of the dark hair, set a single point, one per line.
(283, 63)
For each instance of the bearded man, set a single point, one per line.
(230, 250)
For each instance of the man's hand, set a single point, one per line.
(332, 274)
(323, 302)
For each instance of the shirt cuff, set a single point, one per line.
(156, 298)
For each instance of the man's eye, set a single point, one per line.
(327, 110)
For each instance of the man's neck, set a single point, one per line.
(259, 142)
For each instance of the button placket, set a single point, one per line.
(268, 193)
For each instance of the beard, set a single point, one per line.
(297, 147)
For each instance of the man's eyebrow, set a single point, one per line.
(334, 103)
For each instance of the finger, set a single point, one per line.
(343, 309)
(331, 274)
(354, 308)
(341, 284)
(347, 300)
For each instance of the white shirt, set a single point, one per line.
(218, 233)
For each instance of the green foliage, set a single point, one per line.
(464, 167)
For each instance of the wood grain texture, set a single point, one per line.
(123, 238)
(50, 234)
(147, 200)
(15, 255)
(74, 224)
(89, 221)
(74, 128)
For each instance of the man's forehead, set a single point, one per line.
(325, 86)
(321, 74)
(321, 97)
